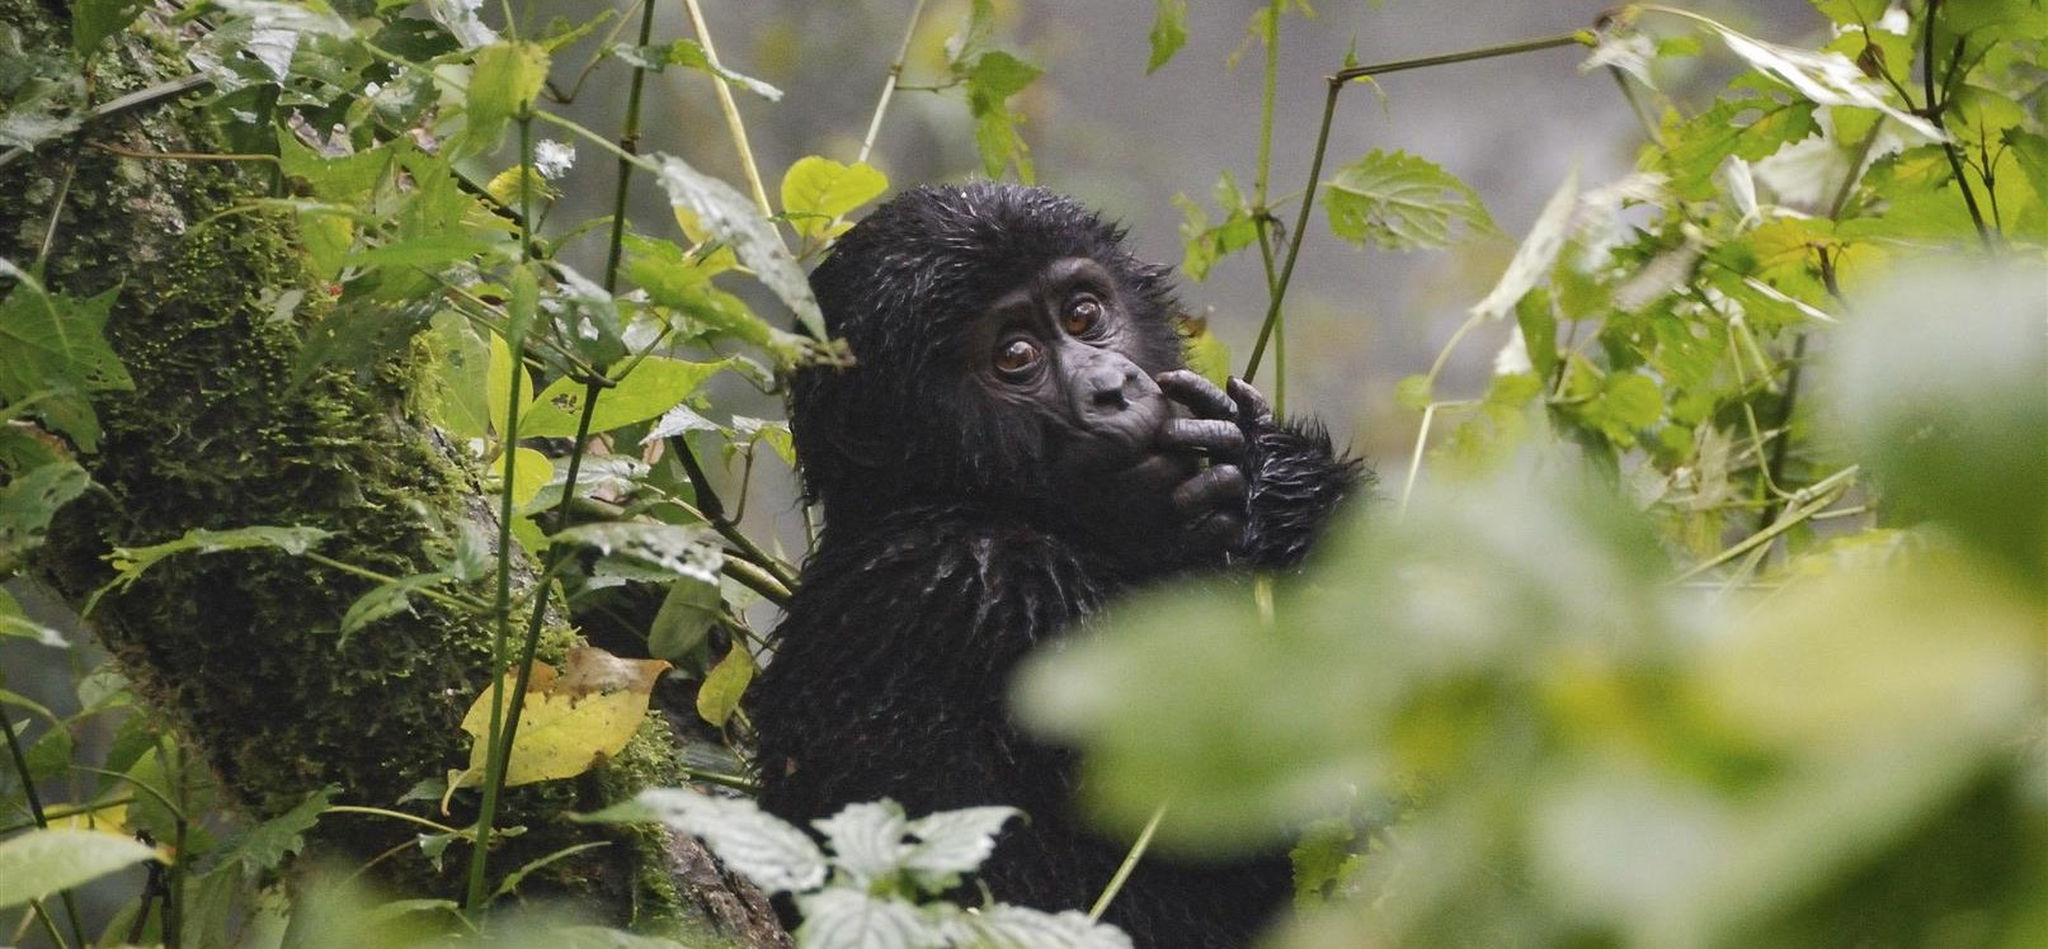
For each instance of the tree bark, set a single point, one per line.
(241, 649)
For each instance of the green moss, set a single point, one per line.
(242, 649)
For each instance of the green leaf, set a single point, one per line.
(692, 553)
(644, 393)
(387, 599)
(503, 83)
(28, 502)
(689, 54)
(816, 191)
(1169, 32)
(51, 338)
(94, 20)
(456, 390)
(731, 217)
(1748, 127)
(130, 562)
(1403, 202)
(1206, 354)
(38, 863)
(1413, 392)
(264, 847)
(719, 696)
(688, 613)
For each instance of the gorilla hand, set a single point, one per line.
(1211, 502)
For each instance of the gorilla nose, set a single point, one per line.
(1109, 387)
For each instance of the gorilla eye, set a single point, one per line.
(1084, 313)
(1017, 358)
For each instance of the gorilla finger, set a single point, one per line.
(1214, 435)
(1210, 487)
(1250, 403)
(1189, 388)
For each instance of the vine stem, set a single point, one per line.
(867, 143)
(1822, 493)
(1337, 81)
(730, 108)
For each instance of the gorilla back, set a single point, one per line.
(1018, 442)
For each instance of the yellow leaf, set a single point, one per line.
(530, 473)
(719, 696)
(569, 722)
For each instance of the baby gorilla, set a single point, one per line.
(1020, 442)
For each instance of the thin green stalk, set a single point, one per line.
(502, 752)
(731, 110)
(449, 600)
(867, 143)
(1822, 493)
(1261, 180)
(394, 815)
(498, 738)
(629, 143)
(1123, 870)
(35, 810)
(1337, 82)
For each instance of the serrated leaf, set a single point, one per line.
(653, 386)
(130, 562)
(690, 552)
(844, 918)
(719, 696)
(816, 191)
(1169, 32)
(1402, 202)
(264, 847)
(778, 858)
(951, 843)
(1021, 927)
(866, 839)
(730, 217)
(1824, 78)
(49, 338)
(38, 863)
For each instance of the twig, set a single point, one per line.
(730, 108)
(1337, 81)
(867, 144)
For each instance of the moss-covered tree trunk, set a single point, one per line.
(241, 649)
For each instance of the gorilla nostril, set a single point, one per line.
(1111, 398)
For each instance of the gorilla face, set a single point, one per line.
(1062, 349)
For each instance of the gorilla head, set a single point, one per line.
(1007, 346)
